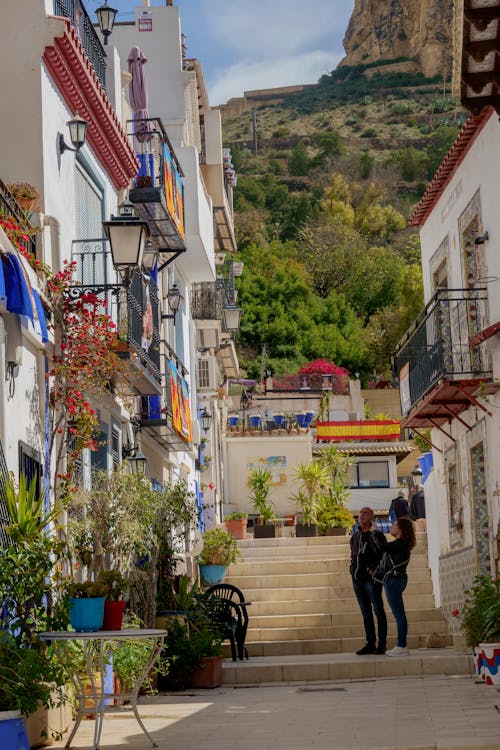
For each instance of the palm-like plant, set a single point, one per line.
(27, 510)
(259, 484)
(313, 478)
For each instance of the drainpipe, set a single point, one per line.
(3, 398)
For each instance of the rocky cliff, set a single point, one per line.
(388, 29)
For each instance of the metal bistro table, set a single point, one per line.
(99, 696)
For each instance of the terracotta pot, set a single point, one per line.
(209, 674)
(113, 615)
(237, 527)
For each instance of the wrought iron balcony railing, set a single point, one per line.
(134, 309)
(158, 189)
(75, 11)
(438, 344)
(9, 208)
(207, 300)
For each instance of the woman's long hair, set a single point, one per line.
(407, 529)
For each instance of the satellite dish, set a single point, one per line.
(197, 543)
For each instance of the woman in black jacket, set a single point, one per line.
(392, 572)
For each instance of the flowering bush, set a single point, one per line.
(322, 367)
(83, 362)
(22, 190)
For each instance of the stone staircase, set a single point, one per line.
(303, 606)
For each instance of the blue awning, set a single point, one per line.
(19, 296)
(3, 294)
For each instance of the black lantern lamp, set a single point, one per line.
(106, 19)
(77, 133)
(149, 257)
(417, 475)
(174, 299)
(205, 419)
(138, 461)
(127, 234)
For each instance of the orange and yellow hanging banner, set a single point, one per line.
(368, 429)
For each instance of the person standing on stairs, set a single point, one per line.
(366, 546)
(392, 573)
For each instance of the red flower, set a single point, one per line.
(455, 613)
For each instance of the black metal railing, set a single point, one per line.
(135, 309)
(206, 300)
(438, 343)
(75, 11)
(9, 208)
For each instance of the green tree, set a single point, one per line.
(299, 161)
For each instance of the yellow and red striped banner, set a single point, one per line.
(388, 429)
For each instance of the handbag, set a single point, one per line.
(392, 515)
(386, 568)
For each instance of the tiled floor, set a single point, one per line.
(417, 713)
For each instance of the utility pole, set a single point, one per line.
(263, 363)
(254, 121)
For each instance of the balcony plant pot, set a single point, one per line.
(335, 531)
(113, 615)
(211, 574)
(12, 732)
(264, 531)
(208, 674)
(165, 617)
(237, 527)
(306, 530)
(86, 614)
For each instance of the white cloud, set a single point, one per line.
(286, 71)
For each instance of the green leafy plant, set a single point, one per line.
(130, 657)
(114, 584)
(259, 484)
(312, 477)
(23, 190)
(237, 516)
(28, 512)
(219, 548)
(480, 615)
(84, 589)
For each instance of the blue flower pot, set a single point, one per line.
(278, 419)
(301, 419)
(87, 615)
(309, 417)
(255, 421)
(12, 731)
(233, 421)
(210, 574)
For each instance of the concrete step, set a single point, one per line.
(324, 623)
(301, 581)
(306, 553)
(277, 566)
(318, 541)
(329, 607)
(345, 667)
(316, 619)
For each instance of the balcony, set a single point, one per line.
(135, 310)
(439, 364)
(75, 11)
(158, 190)
(167, 417)
(10, 209)
(206, 301)
(315, 383)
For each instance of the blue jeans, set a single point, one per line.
(369, 596)
(394, 587)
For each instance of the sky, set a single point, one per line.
(252, 44)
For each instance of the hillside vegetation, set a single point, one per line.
(321, 210)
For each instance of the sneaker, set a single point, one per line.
(398, 651)
(368, 649)
(381, 649)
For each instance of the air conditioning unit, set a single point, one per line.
(353, 416)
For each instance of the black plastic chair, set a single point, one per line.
(232, 605)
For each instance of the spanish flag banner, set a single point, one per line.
(387, 429)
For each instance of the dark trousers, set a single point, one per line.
(369, 596)
(394, 587)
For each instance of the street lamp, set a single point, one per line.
(231, 316)
(106, 19)
(205, 419)
(174, 299)
(417, 476)
(126, 234)
(77, 132)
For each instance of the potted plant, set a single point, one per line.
(85, 602)
(480, 624)
(25, 194)
(259, 484)
(332, 517)
(115, 586)
(312, 477)
(236, 524)
(219, 550)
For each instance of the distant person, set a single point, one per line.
(392, 573)
(399, 507)
(366, 544)
(417, 509)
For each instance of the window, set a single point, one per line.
(30, 464)
(88, 247)
(203, 373)
(370, 474)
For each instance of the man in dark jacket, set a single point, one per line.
(366, 547)
(417, 509)
(399, 506)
